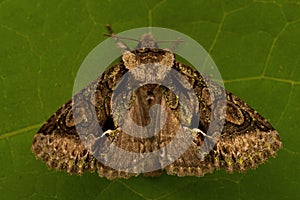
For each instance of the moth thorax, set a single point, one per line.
(132, 60)
(150, 72)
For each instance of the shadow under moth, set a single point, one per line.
(245, 140)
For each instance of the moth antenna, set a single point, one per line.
(120, 44)
(111, 32)
(175, 43)
(123, 38)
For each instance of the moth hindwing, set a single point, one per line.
(245, 140)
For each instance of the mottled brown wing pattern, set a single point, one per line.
(246, 141)
(57, 143)
(59, 146)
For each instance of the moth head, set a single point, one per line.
(147, 52)
(147, 41)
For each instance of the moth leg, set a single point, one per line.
(203, 143)
(111, 134)
(112, 137)
(198, 158)
(198, 136)
(191, 163)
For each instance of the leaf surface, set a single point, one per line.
(255, 44)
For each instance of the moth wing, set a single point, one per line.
(58, 144)
(246, 140)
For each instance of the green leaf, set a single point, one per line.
(255, 44)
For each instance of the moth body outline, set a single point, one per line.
(246, 140)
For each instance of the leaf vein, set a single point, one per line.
(274, 42)
(133, 190)
(19, 131)
(286, 106)
(91, 17)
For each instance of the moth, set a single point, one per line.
(245, 141)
